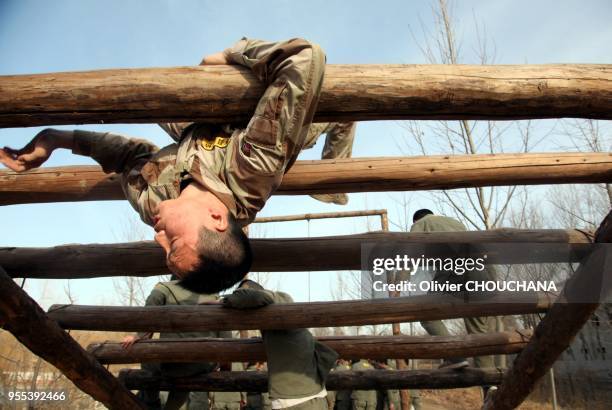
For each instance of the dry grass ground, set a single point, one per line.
(465, 399)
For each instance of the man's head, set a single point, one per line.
(420, 214)
(206, 249)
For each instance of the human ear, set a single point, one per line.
(220, 221)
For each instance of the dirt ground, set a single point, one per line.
(465, 399)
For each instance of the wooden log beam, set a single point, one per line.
(21, 315)
(89, 183)
(579, 299)
(293, 315)
(347, 380)
(320, 215)
(348, 347)
(349, 92)
(284, 254)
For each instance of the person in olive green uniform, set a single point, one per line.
(425, 221)
(363, 399)
(200, 191)
(198, 401)
(171, 293)
(254, 400)
(342, 397)
(221, 400)
(298, 365)
(257, 400)
(388, 399)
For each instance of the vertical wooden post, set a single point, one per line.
(400, 364)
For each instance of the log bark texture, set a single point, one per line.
(89, 183)
(347, 380)
(321, 215)
(553, 335)
(350, 92)
(21, 315)
(287, 254)
(293, 315)
(348, 347)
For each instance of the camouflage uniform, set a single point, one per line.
(256, 400)
(221, 400)
(198, 401)
(298, 365)
(170, 293)
(363, 399)
(338, 145)
(240, 166)
(473, 325)
(342, 397)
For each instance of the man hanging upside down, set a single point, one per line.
(199, 192)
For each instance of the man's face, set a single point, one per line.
(177, 227)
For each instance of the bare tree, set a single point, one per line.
(583, 206)
(482, 207)
(131, 290)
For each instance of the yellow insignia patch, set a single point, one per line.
(220, 142)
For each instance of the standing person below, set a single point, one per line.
(424, 220)
(172, 294)
(225, 400)
(342, 397)
(298, 365)
(200, 191)
(363, 399)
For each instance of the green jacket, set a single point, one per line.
(172, 294)
(342, 395)
(437, 223)
(363, 395)
(297, 364)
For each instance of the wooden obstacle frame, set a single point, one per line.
(349, 93)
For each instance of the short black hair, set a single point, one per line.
(225, 258)
(420, 214)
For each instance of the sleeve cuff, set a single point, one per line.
(236, 52)
(84, 142)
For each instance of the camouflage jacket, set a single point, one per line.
(242, 167)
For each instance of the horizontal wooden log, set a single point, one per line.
(25, 319)
(577, 303)
(284, 254)
(348, 347)
(89, 183)
(320, 215)
(347, 380)
(293, 315)
(349, 92)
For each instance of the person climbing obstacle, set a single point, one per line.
(199, 192)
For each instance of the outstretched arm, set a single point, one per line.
(114, 152)
(37, 151)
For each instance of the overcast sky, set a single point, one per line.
(44, 36)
